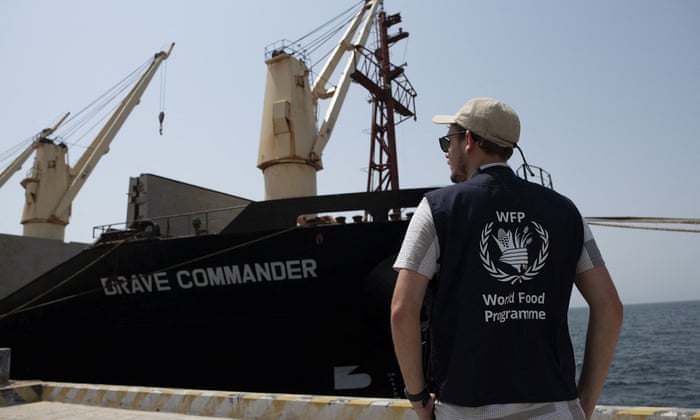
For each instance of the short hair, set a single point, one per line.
(489, 147)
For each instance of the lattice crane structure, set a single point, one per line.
(393, 101)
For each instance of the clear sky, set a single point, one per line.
(608, 93)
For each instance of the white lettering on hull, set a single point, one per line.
(136, 283)
(227, 275)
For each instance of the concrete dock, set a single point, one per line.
(21, 400)
(53, 400)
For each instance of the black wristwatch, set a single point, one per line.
(423, 396)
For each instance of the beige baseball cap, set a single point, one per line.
(489, 118)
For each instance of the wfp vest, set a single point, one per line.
(498, 307)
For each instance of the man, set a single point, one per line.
(497, 257)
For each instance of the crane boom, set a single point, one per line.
(336, 103)
(344, 45)
(52, 185)
(100, 145)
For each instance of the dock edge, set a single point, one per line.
(231, 404)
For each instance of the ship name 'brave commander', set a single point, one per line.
(227, 275)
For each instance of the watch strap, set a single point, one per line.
(423, 396)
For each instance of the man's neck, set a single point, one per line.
(490, 165)
(486, 162)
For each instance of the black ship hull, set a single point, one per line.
(264, 306)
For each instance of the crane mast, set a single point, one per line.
(51, 184)
(393, 101)
(290, 145)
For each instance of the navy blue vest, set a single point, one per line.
(498, 307)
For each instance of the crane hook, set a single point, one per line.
(161, 117)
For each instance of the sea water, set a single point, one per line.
(657, 362)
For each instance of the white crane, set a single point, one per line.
(290, 145)
(51, 184)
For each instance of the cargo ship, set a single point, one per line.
(206, 290)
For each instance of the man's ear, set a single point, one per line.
(471, 143)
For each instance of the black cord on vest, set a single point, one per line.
(525, 164)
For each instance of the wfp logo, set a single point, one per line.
(514, 263)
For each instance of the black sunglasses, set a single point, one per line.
(445, 140)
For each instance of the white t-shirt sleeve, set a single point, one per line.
(420, 250)
(590, 254)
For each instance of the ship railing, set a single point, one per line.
(180, 224)
(537, 174)
(285, 46)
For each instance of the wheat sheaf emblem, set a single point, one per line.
(513, 246)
